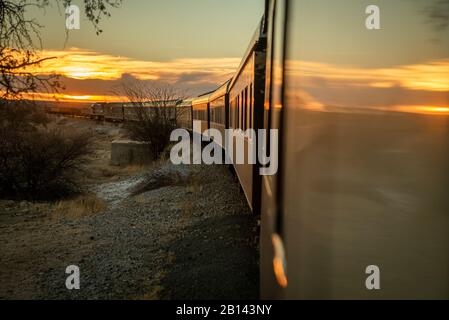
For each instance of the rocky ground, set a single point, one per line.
(157, 232)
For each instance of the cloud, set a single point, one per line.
(418, 88)
(89, 73)
(84, 64)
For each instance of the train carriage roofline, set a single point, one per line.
(204, 98)
(254, 45)
(185, 103)
(221, 90)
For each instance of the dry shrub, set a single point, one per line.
(23, 115)
(155, 113)
(38, 163)
(82, 206)
(154, 126)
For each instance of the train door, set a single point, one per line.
(273, 255)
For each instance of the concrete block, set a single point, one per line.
(128, 152)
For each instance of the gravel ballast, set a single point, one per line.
(171, 232)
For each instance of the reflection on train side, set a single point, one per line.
(365, 160)
(419, 88)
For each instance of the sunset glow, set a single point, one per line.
(431, 76)
(75, 98)
(85, 64)
(78, 64)
(105, 72)
(406, 88)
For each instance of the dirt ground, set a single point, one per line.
(188, 233)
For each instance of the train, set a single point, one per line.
(114, 111)
(359, 206)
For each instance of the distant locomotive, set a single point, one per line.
(120, 112)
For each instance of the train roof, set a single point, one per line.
(162, 103)
(258, 35)
(204, 98)
(186, 103)
(221, 90)
(149, 104)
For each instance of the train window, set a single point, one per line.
(243, 111)
(237, 117)
(231, 114)
(222, 114)
(251, 107)
(231, 108)
(234, 115)
(237, 113)
(242, 121)
(240, 110)
(246, 108)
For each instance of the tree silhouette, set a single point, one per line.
(18, 50)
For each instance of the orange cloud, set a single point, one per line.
(432, 76)
(84, 64)
(338, 88)
(62, 97)
(77, 64)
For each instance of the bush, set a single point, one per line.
(154, 126)
(22, 114)
(154, 111)
(39, 163)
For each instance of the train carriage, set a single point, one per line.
(113, 111)
(130, 112)
(200, 111)
(184, 114)
(246, 111)
(362, 186)
(218, 109)
(97, 111)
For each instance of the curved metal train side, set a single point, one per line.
(245, 111)
(200, 113)
(184, 114)
(238, 105)
(218, 110)
(363, 180)
(119, 112)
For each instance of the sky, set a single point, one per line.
(195, 45)
(336, 62)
